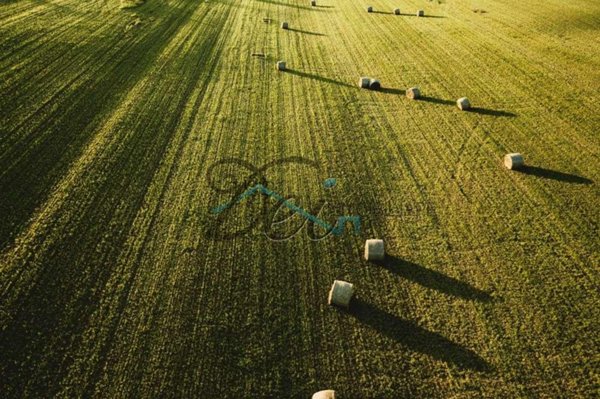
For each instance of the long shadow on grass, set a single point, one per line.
(491, 112)
(305, 32)
(415, 337)
(554, 175)
(281, 3)
(474, 110)
(433, 279)
(424, 16)
(317, 77)
(434, 100)
(389, 90)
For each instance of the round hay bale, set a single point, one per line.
(420, 13)
(374, 84)
(413, 93)
(396, 11)
(369, 9)
(281, 65)
(514, 161)
(363, 82)
(463, 103)
(284, 25)
(327, 394)
(340, 294)
(374, 249)
(313, 3)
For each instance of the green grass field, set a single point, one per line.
(121, 129)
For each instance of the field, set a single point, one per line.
(124, 125)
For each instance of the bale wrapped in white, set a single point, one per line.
(369, 9)
(413, 93)
(396, 11)
(284, 25)
(420, 13)
(341, 293)
(363, 82)
(463, 103)
(313, 3)
(281, 65)
(374, 84)
(374, 249)
(327, 394)
(514, 161)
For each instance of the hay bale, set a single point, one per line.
(327, 394)
(463, 103)
(374, 249)
(420, 13)
(363, 82)
(413, 93)
(369, 9)
(281, 65)
(284, 25)
(374, 84)
(313, 3)
(340, 293)
(396, 11)
(514, 161)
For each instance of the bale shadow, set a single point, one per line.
(491, 112)
(305, 32)
(415, 337)
(265, 58)
(389, 90)
(424, 16)
(474, 110)
(281, 3)
(382, 12)
(433, 279)
(554, 175)
(324, 6)
(317, 77)
(436, 100)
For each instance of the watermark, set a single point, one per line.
(272, 201)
